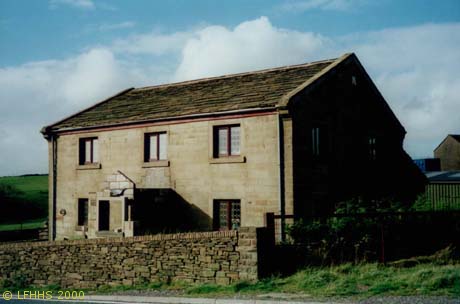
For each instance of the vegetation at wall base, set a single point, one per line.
(347, 280)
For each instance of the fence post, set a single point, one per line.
(270, 222)
(382, 242)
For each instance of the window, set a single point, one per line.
(319, 141)
(315, 141)
(89, 151)
(227, 214)
(226, 141)
(372, 147)
(82, 212)
(155, 146)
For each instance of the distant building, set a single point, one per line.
(428, 164)
(448, 152)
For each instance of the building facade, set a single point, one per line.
(219, 153)
(448, 152)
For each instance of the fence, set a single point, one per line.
(443, 196)
(370, 236)
(25, 234)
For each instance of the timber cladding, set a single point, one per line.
(221, 257)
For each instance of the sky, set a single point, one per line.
(60, 56)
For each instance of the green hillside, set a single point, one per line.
(23, 199)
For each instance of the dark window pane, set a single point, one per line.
(82, 212)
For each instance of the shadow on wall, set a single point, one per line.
(165, 211)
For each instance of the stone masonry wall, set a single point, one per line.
(205, 257)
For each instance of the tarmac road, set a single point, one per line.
(178, 300)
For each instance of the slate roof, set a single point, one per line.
(259, 89)
(443, 176)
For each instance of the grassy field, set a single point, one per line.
(34, 187)
(31, 195)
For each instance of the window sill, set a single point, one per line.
(89, 166)
(155, 164)
(228, 160)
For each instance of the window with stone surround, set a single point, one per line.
(227, 214)
(372, 147)
(227, 140)
(155, 146)
(89, 151)
(319, 142)
(82, 212)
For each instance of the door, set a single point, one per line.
(104, 215)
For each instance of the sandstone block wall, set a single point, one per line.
(190, 170)
(221, 257)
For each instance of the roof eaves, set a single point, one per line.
(48, 129)
(285, 99)
(169, 118)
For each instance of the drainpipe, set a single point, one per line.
(281, 176)
(52, 216)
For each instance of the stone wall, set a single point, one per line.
(221, 257)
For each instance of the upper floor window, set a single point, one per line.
(319, 141)
(372, 147)
(227, 140)
(315, 141)
(89, 150)
(155, 146)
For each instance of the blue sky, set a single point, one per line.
(59, 56)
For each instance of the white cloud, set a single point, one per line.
(251, 45)
(152, 43)
(39, 93)
(80, 4)
(415, 68)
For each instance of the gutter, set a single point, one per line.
(47, 131)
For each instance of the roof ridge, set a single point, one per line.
(333, 63)
(267, 70)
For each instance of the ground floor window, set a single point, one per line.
(227, 214)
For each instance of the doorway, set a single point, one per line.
(104, 215)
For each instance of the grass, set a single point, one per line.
(341, 281)
(352, 280)
(34, 188)
(30, 196)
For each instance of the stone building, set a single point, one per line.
(219, 153)
(448, 152)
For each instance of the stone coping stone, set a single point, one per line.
(126, 240)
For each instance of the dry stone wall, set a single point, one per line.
(205, 257)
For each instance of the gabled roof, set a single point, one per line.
(454, 136)
(263, 89)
